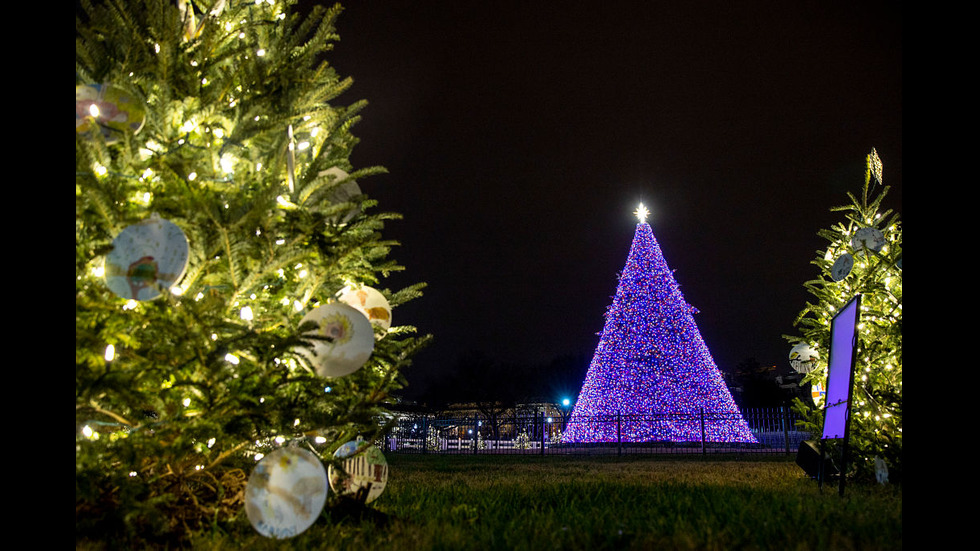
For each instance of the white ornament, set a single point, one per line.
(146, 258)
(803, 358)
(108, 109)
(286, 492)
(364, 471)
(842, 267)
(371, 303)
(881, 470)
(343, 191)
(868, 238)
(817, 393)
(349, 340)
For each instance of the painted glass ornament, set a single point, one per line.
(363, 473)
(371, 303)
(107, 109)
(347, 340)
(286, 492)
(147, 258)
(803, 358)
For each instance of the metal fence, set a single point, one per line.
(539, 433)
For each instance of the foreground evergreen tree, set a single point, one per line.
(863, 256)
(215, 117)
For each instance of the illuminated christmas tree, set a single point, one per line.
(652, 377)
(863, 256)
(216, 212)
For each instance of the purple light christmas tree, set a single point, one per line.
(652, 377)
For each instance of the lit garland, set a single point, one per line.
(652, 376)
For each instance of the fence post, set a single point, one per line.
(702, 431)
(543, 429)
(476, 433)
(785, 419)
(619, 433)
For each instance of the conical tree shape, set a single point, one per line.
(652, 375)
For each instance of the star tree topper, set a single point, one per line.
(641, 213)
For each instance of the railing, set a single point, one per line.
(773, 431)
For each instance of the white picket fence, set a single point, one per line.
(460, 444)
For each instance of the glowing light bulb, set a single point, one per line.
(110, 353)
(227, 163)
(94, 110)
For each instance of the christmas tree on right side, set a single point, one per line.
(863, 256)
(652, 377)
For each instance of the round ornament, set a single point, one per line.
(817, 393)
(348, 340)
(842, 266)
(363, 474)
(868, 238)
(108, 109)
(146, 258)
(803, 358)
(371, 303)
(286, 492)
(344, 190)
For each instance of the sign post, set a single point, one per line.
(840, 379)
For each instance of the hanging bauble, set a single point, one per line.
(347, 340)
(286, 492)
(371, 303)
(363, 473)
(803, 358)
(108, 109)
(842, 266)
(868, 239)
(146, 259)
(344, 189)
(881, 470)
(817, 393)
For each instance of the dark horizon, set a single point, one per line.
(520, 139)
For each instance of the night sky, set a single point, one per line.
(520, 137)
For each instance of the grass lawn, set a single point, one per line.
(575, 502)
